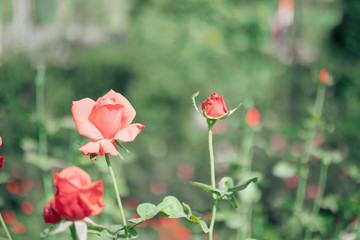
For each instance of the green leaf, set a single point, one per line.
(172, 207)
(131, 234)
(243, 185)
(199, 221)
(187, 208)
(204, 186)
(146, 210)
(195, 219)
(225, 183)
(136, 220)
(233, 201)
(283, 170)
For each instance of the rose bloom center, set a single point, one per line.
(106, 116)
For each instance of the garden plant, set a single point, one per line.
(103, 137)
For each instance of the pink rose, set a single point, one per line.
(104, 121)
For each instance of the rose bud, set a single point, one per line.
(214, 107)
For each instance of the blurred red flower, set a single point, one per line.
(170, 229)
(278, 143)
(27, 207)
(9, 217)
(292, 182)
(185, 171)
(323, 76)
(76, 196)
(1, 161)
(182, 233)
(318, 140)
(13, 186)
(214, 106)
(312, 191)
(104, 121)
(158, 188)
(252, 117)
(18, 228)
(1, 157)
(131, 203)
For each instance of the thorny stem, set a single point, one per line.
(117, 194)
(212, 173)
(5, 228)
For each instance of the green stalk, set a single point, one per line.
(318, 199)
(212, 174)
(73, 232)
(40, 110)
(304, 170)
(5, 228)
(117, 194)
(246, 158)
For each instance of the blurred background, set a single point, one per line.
(265, 53)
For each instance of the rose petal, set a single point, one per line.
(91, 208)
(75, 175)
(107, 117)
(129, 134)
(129, 112)
(50, 216)
(1, 161)
(70, 206)
(102, 146)
(81, 110)
(93, 194)
(0, 141)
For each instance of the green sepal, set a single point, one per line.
(193, 100)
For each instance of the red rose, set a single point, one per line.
(252, 117)
(1, 157)
(50, 216)
(323, 76)
(76, 196)
(214, 106)
(106, 120)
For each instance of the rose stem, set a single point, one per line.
(211, 123)
(318, 199)
(73, 232)
(5, 228)
(117, 194)
(246, 155)
(304, 170)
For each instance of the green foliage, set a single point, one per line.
(170, 207)
(226, 188)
